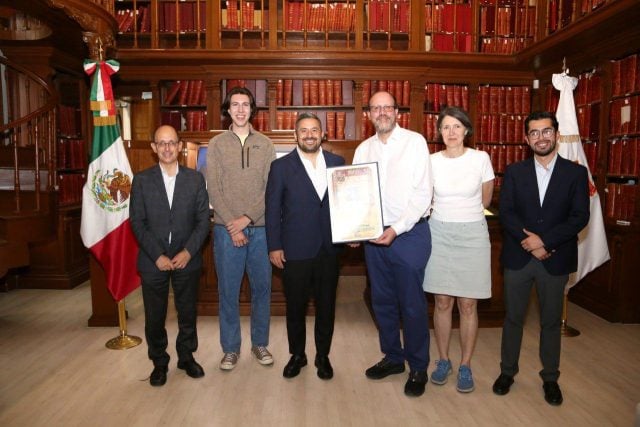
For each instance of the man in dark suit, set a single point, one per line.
(544, 203)
(299, 239)
(170, 219)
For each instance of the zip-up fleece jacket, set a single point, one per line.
(237, 176)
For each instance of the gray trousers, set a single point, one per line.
(517, 290)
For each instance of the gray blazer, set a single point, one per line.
(152, 220)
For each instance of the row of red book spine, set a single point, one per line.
(71, 153)
(588, 89)
(186, 92)
(247, 18)
(260, 121)
(591, 153)
(552, 97)
(336, 121)
(318, 92)
(183, 18)
(589, 121)
(625, 75)
(134, 20)
(400, 89)
(624, 115)
(438, 96)
(196, 120)
(367, 129)
(624, 157)
(620, 201)
(70, 188)
(447, 18)
(507, 21)
(504, 99)
(68, 120)
(286, 120)
(503, 45)
(504, 128)
(389, 15)
(503, 155)
(448, 42)
(318, 17)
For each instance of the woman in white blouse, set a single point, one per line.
(460, 263)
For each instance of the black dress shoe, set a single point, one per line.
(158, 376)
(325, 370)
(552, 393)
(293, 367)
(193, 369)
(502, 384)
(416, 383)
(384, 368)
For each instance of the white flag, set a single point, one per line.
(592, 240)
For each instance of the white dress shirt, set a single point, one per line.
(317, 173)
(543, 175)
(169, 186)
(406, 180)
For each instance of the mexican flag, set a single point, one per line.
(105, 227)
(593, 250)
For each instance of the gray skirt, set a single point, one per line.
(460, 262)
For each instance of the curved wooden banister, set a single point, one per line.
(33, 134)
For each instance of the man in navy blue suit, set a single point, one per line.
(298, 229)
(170, 219)
(544, 203)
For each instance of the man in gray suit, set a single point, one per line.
(169, 216)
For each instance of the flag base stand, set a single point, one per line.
(122, 341)
(566, 330)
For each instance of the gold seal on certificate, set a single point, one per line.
(354, 202)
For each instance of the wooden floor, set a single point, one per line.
(55, 371)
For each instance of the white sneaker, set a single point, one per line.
(262, 354)
(229, 361)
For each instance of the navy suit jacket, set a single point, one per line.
(564, 212)
(297, 221)
(152, 220)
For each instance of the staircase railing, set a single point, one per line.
(28, 127)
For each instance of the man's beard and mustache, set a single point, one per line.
(309, 149)
(543, 152)
(384, 123)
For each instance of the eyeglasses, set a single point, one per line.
(378, 108)
(546, 132)
(164, 144)
(455, 127)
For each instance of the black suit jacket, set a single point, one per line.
(564, 212)
(297, 221)
(152, 220)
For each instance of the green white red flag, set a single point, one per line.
(105, 227)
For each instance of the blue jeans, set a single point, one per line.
(231, 263)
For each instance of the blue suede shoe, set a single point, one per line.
(465, 380)
(443, 370)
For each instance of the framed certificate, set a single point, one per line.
(354, 202)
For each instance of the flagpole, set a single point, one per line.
(566, 330)
(123, 341)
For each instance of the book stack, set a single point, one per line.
(68, 121)
(286, 120)
(322, 92)
(246, 18)
(71, 153)
(388, 16)
(624, 157)
(503, 155)
(400, 89)
(196, 120)
(438, 96)
(182, 17)
(70, 188)
(448, 27)
(501, 113)
(186, 92)
(620, 201)
(591, 152)
(261, 121)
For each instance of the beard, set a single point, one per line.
(384, 124)
(543, 152)
(309, 149)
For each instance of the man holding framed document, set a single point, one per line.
(397, 259)
(299, 241)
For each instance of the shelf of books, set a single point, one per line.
(318, 23)
(184, 105)
(623, 166)
(388, 24)
(448, 26)
(561, 13)
(71, 156)
(501, 111)
(244, 24)
(401, 90)
(506, 26)
(438, 96)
